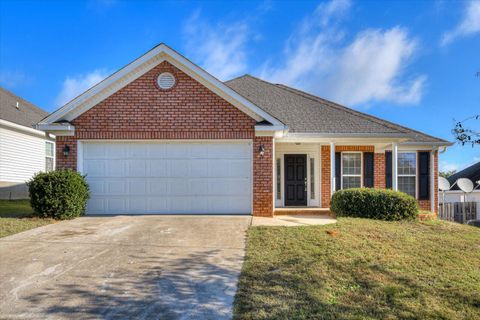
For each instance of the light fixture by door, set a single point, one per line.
(261, 150)
(66, 151)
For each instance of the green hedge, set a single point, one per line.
(60, 194)
(371, 203)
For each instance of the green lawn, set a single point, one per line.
(15, 216)
(366, 270)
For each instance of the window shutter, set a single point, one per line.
(424, 175)
(368, 169)
(388, 170)
(338, 170)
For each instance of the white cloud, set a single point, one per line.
(368, 68)
(75, 85)
(14, 78)
(220, 49)
(449, 166)
(469, 25)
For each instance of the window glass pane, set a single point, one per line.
(279, 182)
(48, 164)
(49, 149)
(351, 182)
(407, 163)
(352, 163)
(312, 178)
(407, 185)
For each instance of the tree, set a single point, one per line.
(465, 135)
(447, 173)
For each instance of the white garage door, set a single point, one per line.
(156, 178)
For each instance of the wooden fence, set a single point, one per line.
(460, 212)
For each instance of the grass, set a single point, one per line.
(16, 216)
(361, 269)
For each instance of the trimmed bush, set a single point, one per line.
(381, 204)
(59, 194)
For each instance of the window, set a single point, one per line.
(312, 178)
(49, 156)
(407, 173)
(278, 165)
(351, 170)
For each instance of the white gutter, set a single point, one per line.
(19, 127)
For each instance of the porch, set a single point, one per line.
(307, 173)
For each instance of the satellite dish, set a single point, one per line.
(466, 185)
(443, 184)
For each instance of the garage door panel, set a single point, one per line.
(97, 186)
(116, 204)
(157, 187)
(137, 187)
(95, 168)
(115, 168)
(137, 205)
(198, 168)
(198, 187)
(157, 205)
(161, 178)
(157, 168)
(96, 206)
(136, 168)
(177, 168)
(116, 150)
(95, 151)
(117, 187)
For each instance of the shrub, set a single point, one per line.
(370, 203)
(59, 194)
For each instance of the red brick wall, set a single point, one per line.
(379, 170)
(263, 177)
(326, 183)
(379, 173)
(189, 110)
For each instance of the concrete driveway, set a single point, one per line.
(142, 267)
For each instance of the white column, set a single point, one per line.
(394, 166)
(433, 191)
(332, 168)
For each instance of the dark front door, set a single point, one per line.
(295, 180)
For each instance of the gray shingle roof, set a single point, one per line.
(472, 173)
(26, 114)
(306, 113)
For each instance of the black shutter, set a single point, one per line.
(368, 169)
(338, 170)
(424, 175)
(388, 170)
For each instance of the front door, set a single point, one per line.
(295, 180)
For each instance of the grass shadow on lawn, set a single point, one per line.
(17, 216)
(369, 270)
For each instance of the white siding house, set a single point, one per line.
(24, 150)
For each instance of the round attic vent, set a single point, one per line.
(166, 80)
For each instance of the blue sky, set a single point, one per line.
(411, 62)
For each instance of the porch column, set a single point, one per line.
(433, 203)
(332, 168)
(394, 166)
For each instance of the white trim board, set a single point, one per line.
(140, 66)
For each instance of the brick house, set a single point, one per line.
(162, 136)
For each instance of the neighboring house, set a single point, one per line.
(162, 136)
(457, 195)
(24, 150)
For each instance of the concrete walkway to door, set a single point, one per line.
(133, 267)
